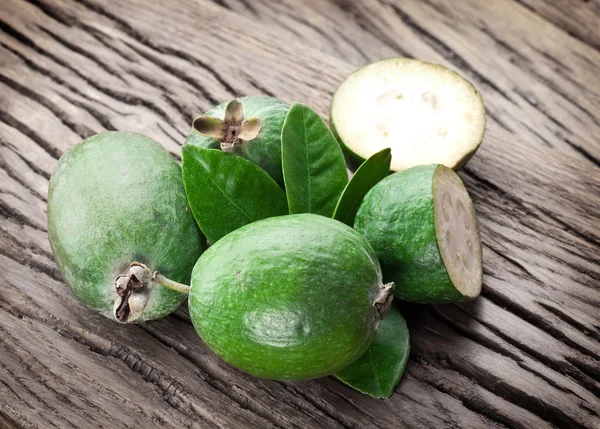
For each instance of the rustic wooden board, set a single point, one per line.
(526, 354)
(538, 82)
(579, 19)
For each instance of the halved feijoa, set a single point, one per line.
(249, 127)
(422, 225)
(424, 112)
(290, 297)
(117, 213)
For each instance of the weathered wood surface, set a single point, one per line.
(525, 355)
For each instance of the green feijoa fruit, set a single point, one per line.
(314, 170)
(374, 169)
(249, 127)
(422, 225)
(289, 298)
(379, 369)
(117, 214)
(424, 112)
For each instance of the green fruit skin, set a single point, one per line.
(265, 149)
(397, 219)
(287, 298)
(116, 198)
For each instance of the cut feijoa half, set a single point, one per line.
(422, 225)
(426, 113)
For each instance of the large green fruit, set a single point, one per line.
(422, 225)
(114, 199)
(291, 297)
(264, 148)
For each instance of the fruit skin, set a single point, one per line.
(354, 160)
(116, 198)
(287, 298)
(397, 219)
(265, 149)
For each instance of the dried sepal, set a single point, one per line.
(132, 293)
(210, 127)
(231, 131)
(250, 129)
(383, 299)
(234, 112)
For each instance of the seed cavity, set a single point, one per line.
(460, 208)
(430, 99)
(387, 100)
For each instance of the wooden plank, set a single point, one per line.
(580, 19)
(537, 81)
(526, 354)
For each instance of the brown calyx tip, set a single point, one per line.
(233, 130)
(383, 299)
(132, 293)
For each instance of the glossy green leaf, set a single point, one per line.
(374, 169)
(226, 191)
(314, 170)
(378, 371)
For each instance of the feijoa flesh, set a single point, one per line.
(422, 225)
(117, 213)
(424, 112)
(249, 127)
(290, 297)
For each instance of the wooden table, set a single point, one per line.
(526, 354)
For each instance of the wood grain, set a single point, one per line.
(538, 82)
(526, 354)
(580, 18)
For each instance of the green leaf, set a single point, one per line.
(226, 192)
(378, 371)
(374, 169)
(314, 170)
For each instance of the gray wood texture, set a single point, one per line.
(526, 354)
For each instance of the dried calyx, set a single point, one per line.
(233, 130)
(133, 291)
(383, 299)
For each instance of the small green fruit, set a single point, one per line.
(289, 298)
(422, 225)
(117, 212)
(249, 127)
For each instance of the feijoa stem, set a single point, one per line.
(179, 287)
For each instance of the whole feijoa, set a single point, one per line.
(422, 225)
(249, 127)
(117, 212)
(289, 298)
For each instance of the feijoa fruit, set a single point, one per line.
(117, 215)
(290, 297)
(422, 225)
